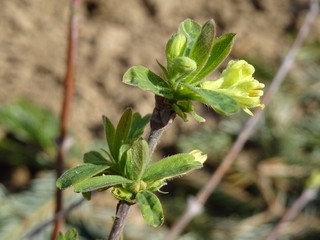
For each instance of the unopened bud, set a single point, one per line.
(175, 46)
(183, 65)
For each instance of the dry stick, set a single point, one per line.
(161, 119)
(228, 160)
(306, 196)
(65, 111)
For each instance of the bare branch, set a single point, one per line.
(65, 111)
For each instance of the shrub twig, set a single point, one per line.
(161, 119)
(65, 111)
(306, 196)
(228, 160)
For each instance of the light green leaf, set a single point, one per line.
(151, 208)
(122, 132)
(191, 31)
(100, 182)
(170, 167)
(78, 174)
(137, 160)
(201, 49)
(220, 102)
(96, 158)
(220, 50)
(175, 46)
(145, 79)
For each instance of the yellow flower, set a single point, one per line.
(237, 82)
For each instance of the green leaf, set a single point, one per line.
(220, 102)
(100, 182)
(145, 79)
(71, 234)
(151, 208)
(109, 132)
(201, 49)
(220, 50)
(137, 126)
(137, 160)
(170, 167)
(78, 174)
(191, 31)
(95, 158)
(122, 132)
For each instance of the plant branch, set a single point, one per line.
(306, 196)
(119, 221)
(32, 234)
(65, 111)
(228, 160)
(161, 119)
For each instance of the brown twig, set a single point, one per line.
(161, 119)
(306, 196)
(65, 111)
(119, 221)
(228, 160)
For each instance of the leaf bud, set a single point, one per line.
(175, 46)
(183, 65)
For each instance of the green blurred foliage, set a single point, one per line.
(28, 135)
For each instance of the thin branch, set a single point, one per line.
(119, 221)
(35, 231)
(161, 119)
(65, 111)
(228, 160)
(306, 196)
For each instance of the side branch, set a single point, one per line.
(162, 117)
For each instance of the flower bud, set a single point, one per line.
(237, 82)
(175, 46)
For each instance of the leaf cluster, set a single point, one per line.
(126, 167)
(192, 54)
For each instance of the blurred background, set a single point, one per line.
(268, 175)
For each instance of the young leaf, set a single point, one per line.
(100, 182)
(175, 46)
(191, 31)
(151, 208)
(138, 158)
(78, 174)
(122, 132)
(109, 132)
(201, 49)
(137, 125)
(71, 234)
(220, 102)
(220, 50)
(145, 79)
(170, 167)
(96, 158)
